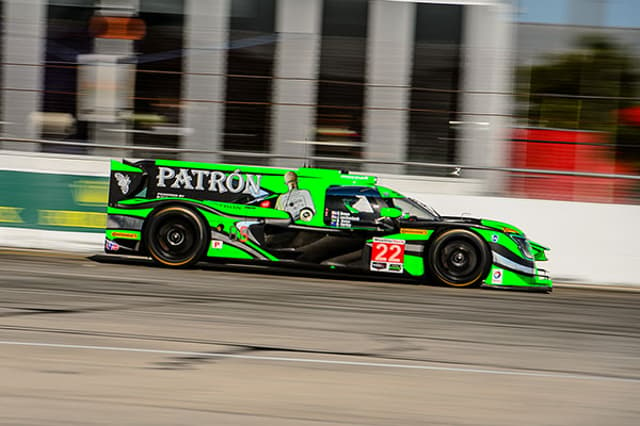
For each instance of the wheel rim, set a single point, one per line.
(458, 261)
(176, 239)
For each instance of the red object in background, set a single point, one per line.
(630, 116)
(570, 151)
(117, 27)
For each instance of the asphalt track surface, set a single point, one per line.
(88, 342)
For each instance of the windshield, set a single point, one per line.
(414, 208)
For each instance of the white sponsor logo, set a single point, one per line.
(496, 276)
(208, 180)
(123, 182)
(388, 240)
(298, 203)
(216, 244)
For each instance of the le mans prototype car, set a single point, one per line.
(179, 213)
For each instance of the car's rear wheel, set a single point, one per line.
(459, 258)
(176, 236)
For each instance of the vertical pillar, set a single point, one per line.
(298, 23)
(22, 75)
(114, 133)
(206, 38)
(487, 69)
(389, 54)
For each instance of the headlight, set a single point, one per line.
(524, 246)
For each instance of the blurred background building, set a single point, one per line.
(385, 86)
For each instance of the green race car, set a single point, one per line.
(179, 213)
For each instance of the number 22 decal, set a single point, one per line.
(387, 251)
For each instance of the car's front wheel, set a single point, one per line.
(176, 236)
(459, 258)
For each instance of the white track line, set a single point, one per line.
(324, 361)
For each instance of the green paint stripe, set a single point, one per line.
(121, 167)
(264, 253)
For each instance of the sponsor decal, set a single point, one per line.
(378, 266)
(236, 207)
(395, 268)
(496, 276)
(126, 235)
(495, 238)
(388, 240)
(413, 231)
(297, 202)
(208, 180)
(342, 219)
(111, 246)
(216, 244)
(387, 255)
(241, 232)
(167, 195)
(355, 177)
(123, 182)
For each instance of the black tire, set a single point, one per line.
(459, 258)
(176, 236)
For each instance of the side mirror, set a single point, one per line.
(391, 212)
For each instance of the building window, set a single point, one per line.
(340, 98)
(434, 86)
(250, 60)
(67, 37)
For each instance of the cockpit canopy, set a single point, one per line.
(360, 206)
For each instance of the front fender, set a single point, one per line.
(539, 251)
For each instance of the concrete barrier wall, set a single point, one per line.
(58, 202)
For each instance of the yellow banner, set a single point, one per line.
(72, 218)
(10, 215)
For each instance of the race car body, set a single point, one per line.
(179, 213)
